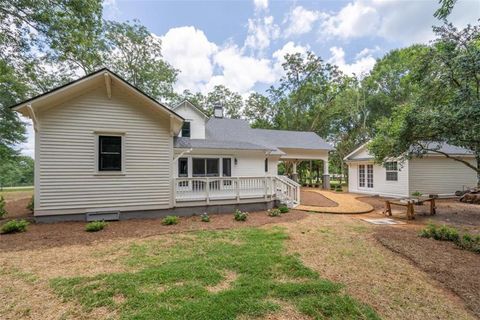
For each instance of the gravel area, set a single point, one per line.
(312, 198)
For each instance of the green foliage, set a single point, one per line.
(283, 209)
(3, 211)
(169, 220)
(31, 204)
(17, 171)
(445, 91)
(14, 226)
(274, 212)
(417, 194)
(95, 226)
(240, 215)
(444, 233)
(204, 217)
(176, 281)
(136, 55)
(446, 7)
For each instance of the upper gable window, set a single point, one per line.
(109, 153)
(186, 129)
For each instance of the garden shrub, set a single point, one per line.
(95, 226)
(338, 188)
(205, 217)
(31, 204)
(169, 220)
(3, 211)
(283, 209)
(416, 194)
(444, 233)
(240, 215)
(14, 226)
(274, 213)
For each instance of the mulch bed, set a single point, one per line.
(311, 198)
(73, 233)
(458, 270)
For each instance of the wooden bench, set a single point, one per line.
(410, 206)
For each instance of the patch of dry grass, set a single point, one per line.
(342, 249)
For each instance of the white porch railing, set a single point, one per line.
(235, 189)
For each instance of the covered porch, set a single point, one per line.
(307, 167)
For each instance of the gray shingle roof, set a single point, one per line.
(239, 130)
(186, 143)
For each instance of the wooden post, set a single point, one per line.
(410, 211)
(433, 208)
(207, 189)
(388, 208)
(237, 189)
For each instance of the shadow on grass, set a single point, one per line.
(173, 283)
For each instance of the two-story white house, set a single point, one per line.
(106, 150)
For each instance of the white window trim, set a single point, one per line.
(96, 153)
(386, 172)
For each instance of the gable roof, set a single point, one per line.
(186, 102)
(239, 130)
(442, 147)
(83, 81)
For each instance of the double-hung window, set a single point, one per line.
(109, 153)
(391, 169)
(186, 129)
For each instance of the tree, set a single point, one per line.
(447, 107)
(446, 7)
(231, 101)
(17, 172)
(307, 90)
(135, 54)
(259, 110)
(31, 33)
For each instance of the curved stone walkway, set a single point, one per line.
(347, 203)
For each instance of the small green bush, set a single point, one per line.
(283, 209)
(14, 226)
(444, 233)
(274, 213)
(95, 226)
(417, 194)
(169, 220)
(240, 215)
(3, 211)
(31, 204)
(205, 217)
(338, 188)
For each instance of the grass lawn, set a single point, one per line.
(212, 275)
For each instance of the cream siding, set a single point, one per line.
(68, 181)
(196, 119)
(249, 163)
(437, 175)
(381, 186)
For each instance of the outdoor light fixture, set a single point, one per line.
(236, 161)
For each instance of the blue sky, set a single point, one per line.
(241, 44)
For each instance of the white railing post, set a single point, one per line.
(174, 192)
(207, 190)
(237, 188)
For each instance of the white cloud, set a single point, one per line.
(188, 50)
(240, 72)
(363, 63)
(300, 21)
(397, 21)
(261, 31)
(260, 4)
(110, 9)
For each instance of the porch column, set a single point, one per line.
(294, 171)
(326, 176)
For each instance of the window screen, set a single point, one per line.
(186, 129)
(110, 153)
(183, 167)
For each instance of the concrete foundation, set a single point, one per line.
(178, 211)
